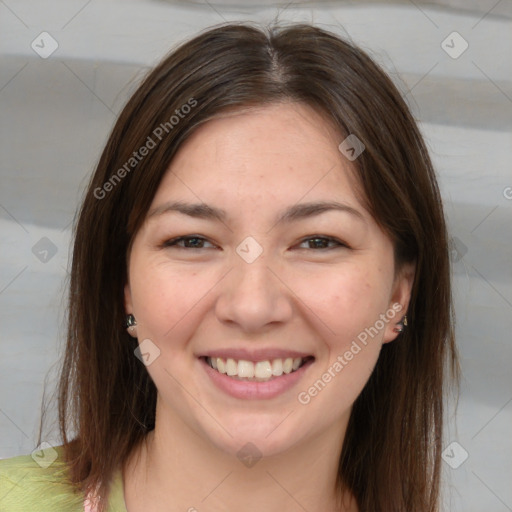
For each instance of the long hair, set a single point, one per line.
(391, 456)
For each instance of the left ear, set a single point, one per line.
(400, 298)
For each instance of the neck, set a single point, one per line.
(179, 468)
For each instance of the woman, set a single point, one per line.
(260, 309)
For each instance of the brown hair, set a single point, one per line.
(392, 450)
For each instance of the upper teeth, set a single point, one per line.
(259, 369)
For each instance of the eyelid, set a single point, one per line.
(173, 241)
(339, 243)
(329, 239)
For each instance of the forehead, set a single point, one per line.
(287, 151)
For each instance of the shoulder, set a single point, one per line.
(37, 482)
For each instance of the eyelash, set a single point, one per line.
(173, 242)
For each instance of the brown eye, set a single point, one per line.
(322, 242)
(187, 242)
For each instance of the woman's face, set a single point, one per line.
(264, 277)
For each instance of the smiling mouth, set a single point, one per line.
(258, 371)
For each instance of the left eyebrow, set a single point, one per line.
(291, 214)
(305, 210)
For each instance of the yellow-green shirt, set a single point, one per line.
(28, 485)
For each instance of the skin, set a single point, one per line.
(254, 164)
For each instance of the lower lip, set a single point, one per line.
(251, 390)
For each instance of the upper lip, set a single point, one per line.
(262, 354)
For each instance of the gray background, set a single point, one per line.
(56, 113)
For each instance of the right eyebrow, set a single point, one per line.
(293, 213)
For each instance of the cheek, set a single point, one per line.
(349, 307)
(165, 298)
(345, 302)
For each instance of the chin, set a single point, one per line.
(254, 436)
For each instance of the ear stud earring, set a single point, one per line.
(130, 323)
(401, 325)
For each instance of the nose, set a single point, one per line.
(253, 296)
